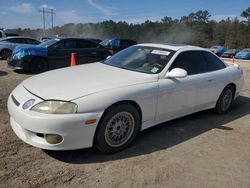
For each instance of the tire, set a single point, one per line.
(5, 53)
(38, 65)
(117, 129)
(225, 101)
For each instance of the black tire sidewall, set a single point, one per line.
(100, 141)
(218, 108)
(34, 68)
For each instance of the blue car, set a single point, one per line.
(243, 54)
(7, 45)
(218, 50)
(116, 45)
(56, 53)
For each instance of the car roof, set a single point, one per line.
(170, 46)
(69, 38)
(16, 37)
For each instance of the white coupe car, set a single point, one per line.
(107, 103)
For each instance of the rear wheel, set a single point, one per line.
(118, 128)
(225, 100)
(38, 65)
(5, 54)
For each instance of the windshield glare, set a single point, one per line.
(144, 59)
(48, 43)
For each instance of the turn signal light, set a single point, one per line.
(90, 121)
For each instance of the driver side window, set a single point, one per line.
(191, 61)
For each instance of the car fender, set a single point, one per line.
(145, 95)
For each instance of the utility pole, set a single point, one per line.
(44, 21)
(52, 26)
(46, 12)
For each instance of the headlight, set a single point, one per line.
(55, 107)
(19, 54)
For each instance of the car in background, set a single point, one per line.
(116, 45)
(8, 44)
(218, 50)
(56, 53)
(229, 53)
(43, 39)
(107, 104)
(3, 34)
(243, 54)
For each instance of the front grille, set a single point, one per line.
(14, 100)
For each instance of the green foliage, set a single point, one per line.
(194, 29)
(246, 14)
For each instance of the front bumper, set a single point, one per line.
(23, 63)
(29, 126)
(15, 64)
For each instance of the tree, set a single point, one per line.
(200, 15)
(246, 14)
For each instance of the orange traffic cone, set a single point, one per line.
(233, 60)
(73, 60)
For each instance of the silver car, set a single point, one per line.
(7, 45)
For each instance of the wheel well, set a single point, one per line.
(39, 57)
(6, 49)
(130, 102)
(233, 85)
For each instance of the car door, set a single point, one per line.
(87, 52)
(60, 53)
(215, 75)
(181, 96)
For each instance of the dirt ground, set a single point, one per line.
(200, 150)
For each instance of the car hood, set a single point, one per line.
(29, 49)
(74, 82)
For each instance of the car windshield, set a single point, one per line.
(48, 43)
(215, 47)
(246, 50)
(105, 43)
(150, 60)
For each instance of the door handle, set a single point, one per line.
(93, 53)
(210, 79)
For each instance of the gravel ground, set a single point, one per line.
(200, 150)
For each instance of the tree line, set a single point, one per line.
(195, 29)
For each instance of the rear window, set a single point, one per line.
(127, 43)
(213, 62)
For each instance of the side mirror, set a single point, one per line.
(108, 57)
(176, 73)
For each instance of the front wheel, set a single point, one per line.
(117, 129)
(38, 65)
(5, 54)
(225, 100)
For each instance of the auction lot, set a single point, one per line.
(200, 150)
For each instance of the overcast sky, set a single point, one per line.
(25, 14)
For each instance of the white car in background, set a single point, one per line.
(107, 103)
